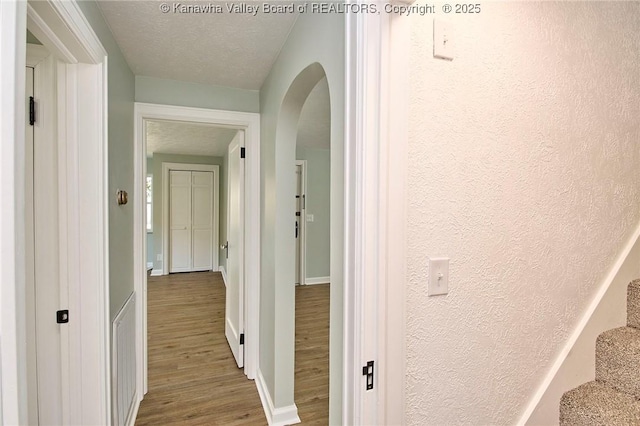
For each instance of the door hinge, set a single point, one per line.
(242, 338)
(242, 152)
(32, 111)
(367, 370)
(62, 317)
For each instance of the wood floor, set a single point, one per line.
(193, 378)
(311, 391)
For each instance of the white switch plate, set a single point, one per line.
(159, 257)
(443, 43)
(438, 276)
(309, 218)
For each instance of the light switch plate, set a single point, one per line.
(310, 218)
(438, 276)
(443, 41)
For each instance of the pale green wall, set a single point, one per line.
(157, 160)
(318, 201)
(171, 92)
(121, 87)
(313, 39)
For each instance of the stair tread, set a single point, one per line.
(618, 359)
(596, 403)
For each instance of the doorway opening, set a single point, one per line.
(194, 211)
(313, 230)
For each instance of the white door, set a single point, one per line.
(191, 221)
(180, 220)
(234, 312)
(202, 220)
(43, 292)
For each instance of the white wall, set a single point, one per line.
(523, 168)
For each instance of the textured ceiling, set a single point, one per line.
(224, 49)
(174, 137)
(314, 127)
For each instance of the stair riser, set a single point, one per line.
(633, 305)
(618, 364)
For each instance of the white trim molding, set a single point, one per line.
(317, 280)
(250, 124)
(224, 274)
(275, 416)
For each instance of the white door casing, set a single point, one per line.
(234, 305)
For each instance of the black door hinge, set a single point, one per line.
(32, 111)
(242, 152)
(242, 339)
(367, 370)
(62, 317)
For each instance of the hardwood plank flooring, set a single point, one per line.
(311, 391)
(193, 378)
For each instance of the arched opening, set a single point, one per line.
(280, 195)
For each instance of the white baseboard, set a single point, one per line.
(317, 280)
(576, 362)
(134, 412)
(149, 266)
(224, 274)
(275, 416)
(156, 272)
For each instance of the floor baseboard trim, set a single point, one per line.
(275, 416)
(224, 274)
(156, 272)
(317, 280)
(134, 412)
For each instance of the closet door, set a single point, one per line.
(180, 235)
(202, 220)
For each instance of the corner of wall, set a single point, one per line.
(275, 416)
(575, 364)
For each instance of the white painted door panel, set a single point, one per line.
(202, 223)
(234, 312)
(180, 221)
(44, 291)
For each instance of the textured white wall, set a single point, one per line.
(523, 168)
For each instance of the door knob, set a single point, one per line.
(224, 246)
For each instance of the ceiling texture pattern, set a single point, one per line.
(228, 49)
(175, 137)
(222, 49)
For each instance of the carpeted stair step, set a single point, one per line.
(618, 359)
(633, 304)
(595, 403)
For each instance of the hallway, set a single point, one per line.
(193, 378)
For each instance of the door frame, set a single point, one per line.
(215, 169)
(303, 224)
(250, 124)
(83, 216)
